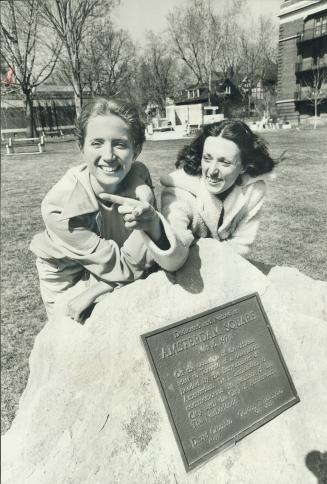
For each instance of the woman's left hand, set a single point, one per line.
(137, 214)
(76, 307)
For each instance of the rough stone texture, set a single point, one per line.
(92, 412)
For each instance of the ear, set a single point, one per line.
(242, 170)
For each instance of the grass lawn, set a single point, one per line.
(292, 233)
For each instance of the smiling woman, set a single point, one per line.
(218, 189)
(86, 238)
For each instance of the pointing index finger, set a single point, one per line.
(119, 200)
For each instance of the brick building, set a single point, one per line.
(302, 57)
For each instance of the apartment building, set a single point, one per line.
(302, 60)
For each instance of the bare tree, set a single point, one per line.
(258, 52)
(194, 29)
(205, 40)
(157, 72)
(315, 89)
(72, 20)
(229, 59)
(108, 59)
(267, 104)
(26, 50)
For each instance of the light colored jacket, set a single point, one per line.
(75, 227)
(193, 212)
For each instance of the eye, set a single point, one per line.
(207, 158)
(96, 143)
(224, 162)
(121, 144)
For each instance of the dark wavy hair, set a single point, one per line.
(100, 106)
(253, 149)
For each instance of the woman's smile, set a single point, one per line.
(109, 168)
(214, 179)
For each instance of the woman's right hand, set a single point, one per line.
(137, 214)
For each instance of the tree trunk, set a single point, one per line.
(29, 113)
(77, 93)
(209, 89)
(78, 104)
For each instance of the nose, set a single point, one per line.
(213, 168)
(107, 152)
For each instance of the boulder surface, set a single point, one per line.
(92, 411)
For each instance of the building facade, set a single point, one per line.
(53, 105)
(193, 102)
(302, 59)
(54, 109)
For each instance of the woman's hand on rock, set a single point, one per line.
(76, 307)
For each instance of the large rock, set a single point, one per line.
(92, 412)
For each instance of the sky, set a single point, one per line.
(138, 16)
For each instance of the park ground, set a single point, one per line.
(292, 232)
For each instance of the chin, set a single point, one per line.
(215, 189)
(216, 192)
(110, 183)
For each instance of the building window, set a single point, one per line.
(324, 24)
(320, 25)
(317, 26)
(227, 90)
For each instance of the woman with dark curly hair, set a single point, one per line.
(218, 189)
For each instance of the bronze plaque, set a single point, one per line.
(221, 375)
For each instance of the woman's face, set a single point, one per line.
(221, 164)
(108, 151)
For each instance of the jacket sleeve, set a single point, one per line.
(245, 227)
(176, 218)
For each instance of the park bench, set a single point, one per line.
(60, 131)
(14, 143)
(69, 129)
(52, 133)
(7, 133)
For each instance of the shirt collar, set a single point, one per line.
(81, 199)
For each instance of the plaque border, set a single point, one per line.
(243, 433)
